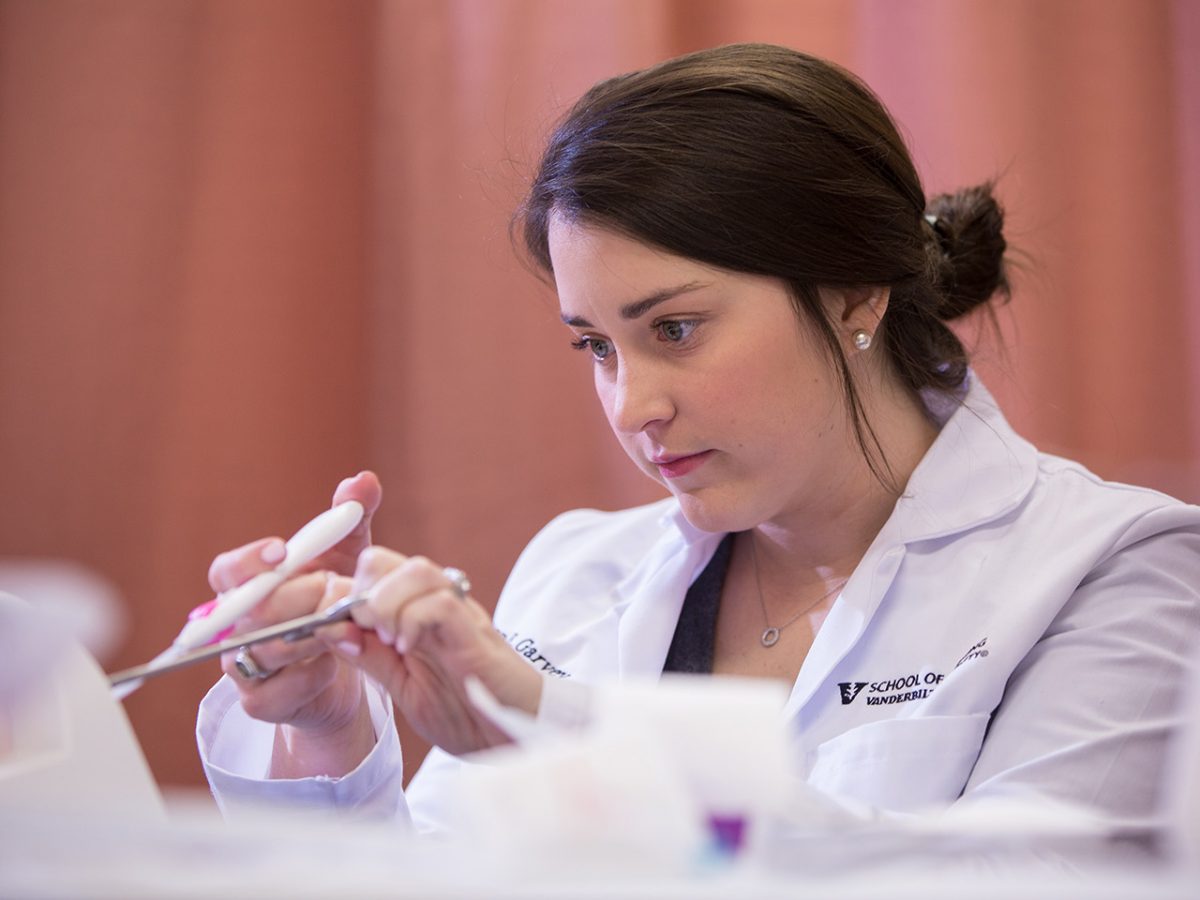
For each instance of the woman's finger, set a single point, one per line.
(271, 656)
(297, 596)
(440, 614)
(374, 564)
(366, 489)
(239, 565)
(280, 697)
(346, 638)
(393, 582)
(458, 623)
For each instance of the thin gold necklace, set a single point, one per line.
(770, 635)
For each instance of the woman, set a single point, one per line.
(742, 247)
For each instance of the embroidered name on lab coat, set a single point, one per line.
(979, 651)
(528, 648)
(907, 687)
(892, 690)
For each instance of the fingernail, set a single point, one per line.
(273, 552)
(385, 636)
(349, 648)
(401, 645)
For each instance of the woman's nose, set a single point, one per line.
(640, 398)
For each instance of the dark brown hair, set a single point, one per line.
(763, 160)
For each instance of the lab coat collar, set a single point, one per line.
(977, 470)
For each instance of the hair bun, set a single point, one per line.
(968, 259)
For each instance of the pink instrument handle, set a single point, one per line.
(203, 611)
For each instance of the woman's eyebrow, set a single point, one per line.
(639, 308)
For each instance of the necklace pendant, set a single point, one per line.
(770, 637)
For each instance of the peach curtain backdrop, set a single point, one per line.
(248, 247)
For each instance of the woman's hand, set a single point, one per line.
(421, 639)
(304, 685)
(241, 564)
(316, 698)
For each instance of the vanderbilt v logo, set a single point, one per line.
(850, 690)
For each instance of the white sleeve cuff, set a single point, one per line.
(236, 752)
(565, 704)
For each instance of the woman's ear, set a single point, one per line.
(862, 307)
(858, 312)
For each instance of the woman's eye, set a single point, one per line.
(601, 349)
(674, 330)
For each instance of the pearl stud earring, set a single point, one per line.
(862, 339)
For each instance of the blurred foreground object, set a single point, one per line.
(74, 600)
(638, 801)
(66, 747)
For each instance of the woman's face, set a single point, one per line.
(708, 379)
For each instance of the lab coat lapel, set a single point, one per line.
(653, 596)
(847, 621)
(977, 470)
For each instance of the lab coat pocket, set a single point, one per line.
(903, 765)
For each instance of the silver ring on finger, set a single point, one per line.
(249, 668)
(459, 582)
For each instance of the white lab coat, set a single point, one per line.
(1018, 627)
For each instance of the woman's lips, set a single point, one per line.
(678, 466)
